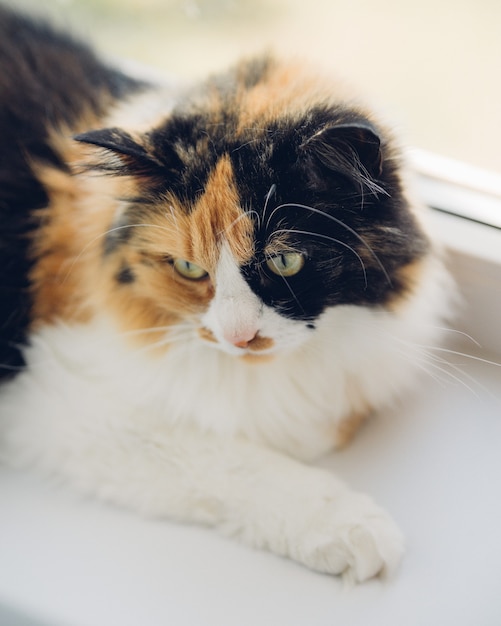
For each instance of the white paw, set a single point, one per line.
(349, 535)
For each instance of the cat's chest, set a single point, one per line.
(289, 402)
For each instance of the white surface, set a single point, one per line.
(434, 462)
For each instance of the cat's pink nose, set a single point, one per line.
(242, 339)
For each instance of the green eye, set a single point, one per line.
(286, 264)
(189, 270)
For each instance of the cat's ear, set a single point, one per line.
(350, 149)
(121, 154)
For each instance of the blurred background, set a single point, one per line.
(433, 67)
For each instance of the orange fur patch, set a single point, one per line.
(158, 296)
(260, 343)
(285, 87)
(55, 278)
(410, 276)
(206, 334)
(218, 216)
(346, 430)
(72, 279)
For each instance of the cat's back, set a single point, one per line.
(49, 83)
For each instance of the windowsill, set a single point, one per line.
(458, 188)
(431, 461)
(467, 221)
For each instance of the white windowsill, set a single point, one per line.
(458, 187)
(434, 462)
(468, 223)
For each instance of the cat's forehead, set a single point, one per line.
(216, 217)
(192, 227)
(259, 115)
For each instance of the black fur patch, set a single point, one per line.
(46, 79)
(347, 214)
(125, 276)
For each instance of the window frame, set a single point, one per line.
(466, 219)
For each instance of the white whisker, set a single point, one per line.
(157, 329)
(425, 353)
(431, 363)
(463, 354)
(423, 358)
(236, 220)
(174, 217)
(167, 340)
(460, 371)
(271, 191)
(458, 332)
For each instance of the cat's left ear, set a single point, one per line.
(121, 153)
(351, 149)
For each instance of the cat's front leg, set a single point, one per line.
(309, 515)
(261, 497)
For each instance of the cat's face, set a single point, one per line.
(250, 221)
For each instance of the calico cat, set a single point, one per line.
(204, 288)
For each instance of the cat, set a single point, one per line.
(205, 288)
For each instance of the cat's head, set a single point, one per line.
(260, 201)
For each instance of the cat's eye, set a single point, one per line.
(286, 264)
(188, 270)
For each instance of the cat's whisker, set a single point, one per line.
(236, 220)
(457, 379)
(12, 368)
(340, 223)
(456, 368)
(426, 363)
(165, 341)
(425, 352)
(174, 217)
(162, 343)
(462, 354)
(247, 143)
(327, 237)
(461, 372)
(271, 191)
(253, 212)
(157, 329)
(426, 366)
(422, 357)
(446, 329)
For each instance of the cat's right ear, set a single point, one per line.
(351, 150)
(121, 154)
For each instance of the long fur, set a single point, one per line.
(202, 290)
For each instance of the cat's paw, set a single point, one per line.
(350, 535)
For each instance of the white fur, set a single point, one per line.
(201, 435)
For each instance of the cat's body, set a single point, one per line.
(247, 282)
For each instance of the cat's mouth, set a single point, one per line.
(256, 347)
